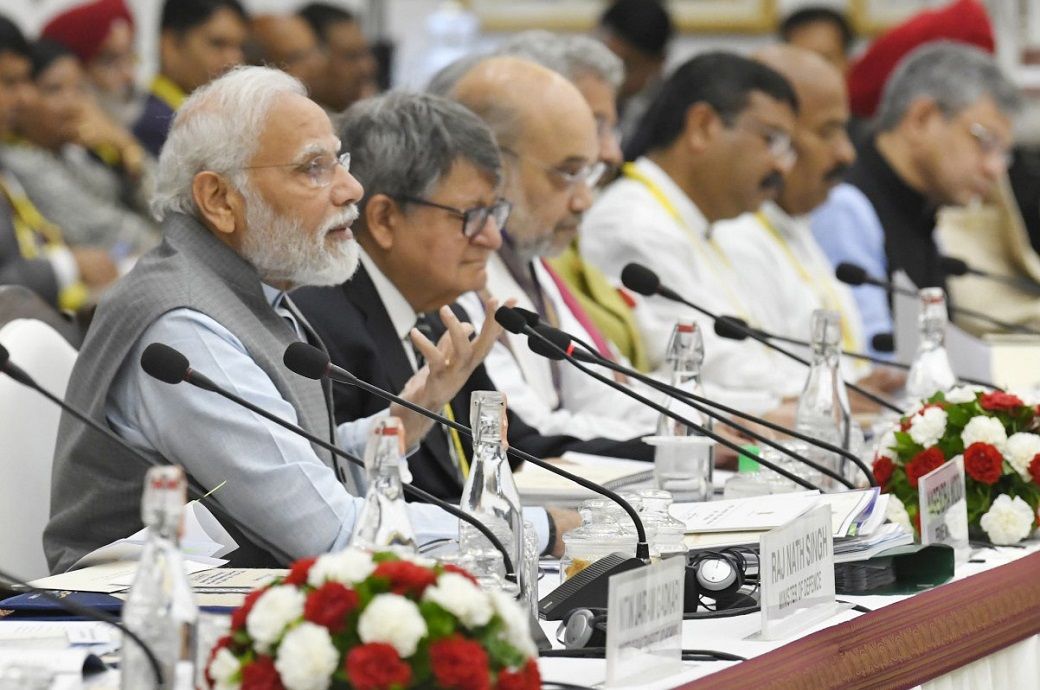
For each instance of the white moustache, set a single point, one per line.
(345, 217)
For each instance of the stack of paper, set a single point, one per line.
(538, 486)
(867, 546)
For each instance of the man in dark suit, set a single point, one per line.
(430, 220)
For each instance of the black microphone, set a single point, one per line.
(556, 344)
(170, 366)
(956, 267)
(510, 320)
(883, 342)
(197, 491)
(854, 275)
(307, 360)
(88, 612)
(643, 278)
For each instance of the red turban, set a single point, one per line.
(964, 21)
(84, 28)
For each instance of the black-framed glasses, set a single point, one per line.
(473, 219)
(318, 170)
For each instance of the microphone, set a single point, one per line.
(170, 366)
(854, 275)
(510, 321)
(883, 342)
(643, 278)
(556, 344)
(307, 360)
(953, 266)
(197, 491)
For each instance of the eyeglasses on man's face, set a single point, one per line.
(778, 143)
(318, 171)
(589, 174)
(990, 144)
(473, 219)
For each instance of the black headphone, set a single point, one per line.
(714, 580)
(583, 628)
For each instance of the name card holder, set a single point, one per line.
(944, 509)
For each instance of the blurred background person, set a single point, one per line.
(822, 30)
(288, 42)
(350, 69)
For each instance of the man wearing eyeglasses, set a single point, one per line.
(943, 134)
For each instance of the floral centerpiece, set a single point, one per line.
(375, 622)
(998, 437)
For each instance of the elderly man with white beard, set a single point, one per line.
(256, 199)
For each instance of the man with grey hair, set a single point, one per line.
(256, 200)
(942, 137)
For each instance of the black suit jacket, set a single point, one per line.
(356, 328)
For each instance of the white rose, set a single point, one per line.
(982, 429)
(274, 610)
(896, 512)
(517, 630)
(885, 445)
(307, 658)
(1008, 521)
(347, 567)
(1030, 396)
(927, 428)
(460, 597)
(1020, 450)
(961, 394)
(222, 670)
(395, 620)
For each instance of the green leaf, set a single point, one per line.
(439, 622)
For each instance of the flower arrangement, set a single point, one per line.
(998, 436)
(375, 622)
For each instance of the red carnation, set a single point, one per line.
(329, 605)
(1034, 468)
(261, 675)
(222, 643)
(406, 577)
(452, 568)
(459, 664)
(999, 401)
(238, 618)
(299, 571)
(524, 678)
(883, 469)
(983, 462)
(376, 666)
(923, 463)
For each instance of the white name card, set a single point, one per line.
(944, 509)
(644, 622)
(797, 574)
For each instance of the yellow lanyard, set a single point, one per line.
(456, 443)
(29, 223)
(169, 93)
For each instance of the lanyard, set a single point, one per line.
(166, 91)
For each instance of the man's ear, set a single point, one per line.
(219, 204)
(701, 126)
(383, 220)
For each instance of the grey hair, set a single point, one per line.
(572, 56)
(954, 75)
(217, 129)
(443, 82)
(401, 144)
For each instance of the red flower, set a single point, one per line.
(923, 463)
(376, 666)
(452, 568)
(329, 605)
(917, 522)
(1034, 468)
(983, 462)
(1000, 401)
(883, 469)
(222, 643)
(459, 664)
(299, 571)
(406, 577)
(524, 678)
(238, 618)
(261, 675)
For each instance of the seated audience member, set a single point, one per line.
(720, 145)
(288, 43)
(943, 133)
(33, 252)
(431, 219)
(101, 34)
(255, 200)
(198, 40)
(821, 30)
(93, 203)
(350, 68)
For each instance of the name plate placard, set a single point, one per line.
(797, 574)
(944, 509)
(644, 622)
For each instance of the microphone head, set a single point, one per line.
(164, 363)
(530, 317)
(731, 327)
(851, 274)
(4, 356)
(540, 347)
(954, 266)
(306, 360)
(510, 320)
(883, 342)
(640, 279)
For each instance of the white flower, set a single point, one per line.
(347, 567)
(961, 394)
(307, 658)
(223, 669)
(395, 620)
(1028, 396)
(928, 427)
(517, 630)
(1020, 450)
(885, 445)
(1008, 521)
(896, 512)
(956, 520)
(982, 429)
(274, 610)
(460, 597)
